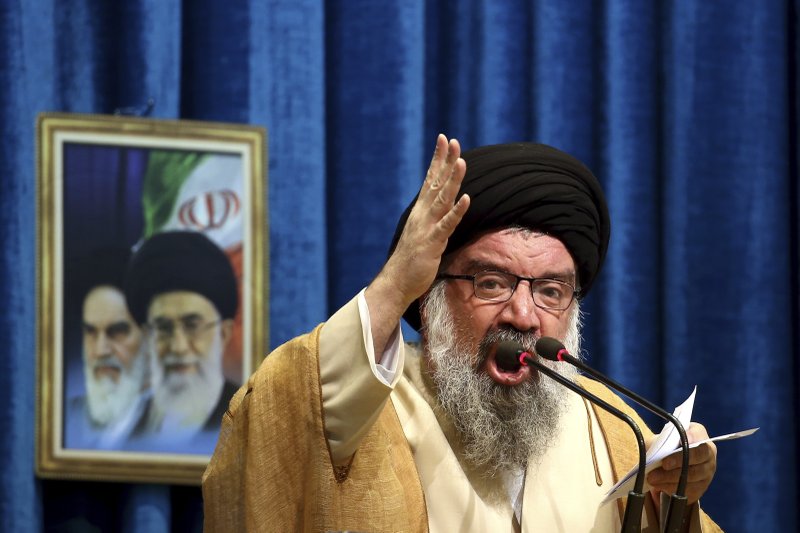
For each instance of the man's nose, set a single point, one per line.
(102, 345)
(179, 341)
(520, 311)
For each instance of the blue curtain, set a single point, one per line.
(688, 111)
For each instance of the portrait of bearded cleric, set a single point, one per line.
(150, 292)
(114, 354)
(182, 292)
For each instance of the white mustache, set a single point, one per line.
(107, 361)
(527, 340)
(172, 360)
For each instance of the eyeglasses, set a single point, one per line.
(191, 327)
(498, 286)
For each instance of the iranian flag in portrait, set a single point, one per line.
(200, 191)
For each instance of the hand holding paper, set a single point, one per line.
(666, 443)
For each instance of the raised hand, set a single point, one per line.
(412, 267)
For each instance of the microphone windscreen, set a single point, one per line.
(507, 355)
(548, 347)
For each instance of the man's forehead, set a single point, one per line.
(104, 294)
(105, 304)
(177, 304)
(106, 323)
(505, 247)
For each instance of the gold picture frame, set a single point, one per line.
(106, 185)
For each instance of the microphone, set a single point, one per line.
(510, 355)
(553, 350)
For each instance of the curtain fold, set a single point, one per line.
(26, 85)
(688, 112)
(287, 84)
(625, 320)
(727, 224)
(374, 110)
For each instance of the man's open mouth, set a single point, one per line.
(505, 376)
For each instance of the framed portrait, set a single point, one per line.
(152, 291)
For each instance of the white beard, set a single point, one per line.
(183, 402)
(109, 401)
(502, 428)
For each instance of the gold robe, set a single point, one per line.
(272, 469)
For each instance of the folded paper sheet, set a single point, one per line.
(666, 443)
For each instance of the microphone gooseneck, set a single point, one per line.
(554, 350)
(510, 353)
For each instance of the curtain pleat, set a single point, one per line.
(727, 225)
(374, 103)
(287, 83)
(26, 85)
(688, 112)
(624, 317)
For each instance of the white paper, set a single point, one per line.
(666, 443)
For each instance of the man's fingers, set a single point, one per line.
(453, 151)
(696, 431)
(440, 153)
(444, 196)
(702, 466)
(449, 222)
(700, 454)
(436, 212)
(661, 477)
(698, 479)
(457, 171)
(442, 168)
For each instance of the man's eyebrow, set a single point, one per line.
(474, 266)
(191, 316)
(566, 275)
(187, 316)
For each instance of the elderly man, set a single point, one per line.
(182, 288)
(114, 359)
(348, 428)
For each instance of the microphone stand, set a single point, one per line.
(632, 520)
(677, 502)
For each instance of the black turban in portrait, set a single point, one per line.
(533, 186)
(180, 261)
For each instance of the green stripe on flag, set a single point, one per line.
(166, 173)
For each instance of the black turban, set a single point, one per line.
(533, 186)
(180, 261)
(104, 265)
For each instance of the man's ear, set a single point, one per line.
(226, 328)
